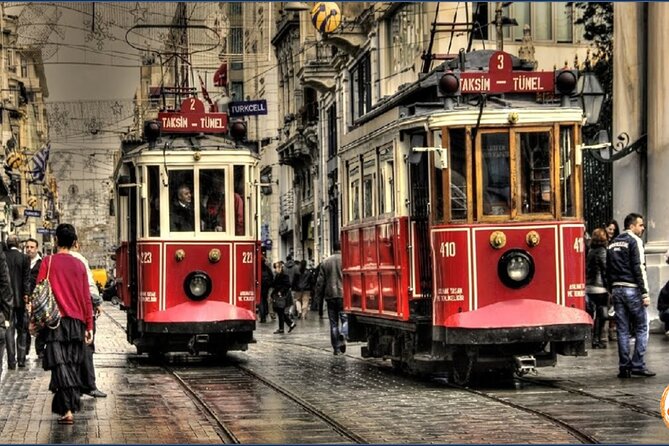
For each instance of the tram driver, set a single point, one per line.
(181, 215)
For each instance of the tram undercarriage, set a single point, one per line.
(194, 338)
(419, 349)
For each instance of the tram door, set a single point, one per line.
(127, 226)
(419, 226)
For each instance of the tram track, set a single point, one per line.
(237, 382)
(574, 431)
(603, 399)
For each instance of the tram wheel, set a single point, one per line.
(461, 370)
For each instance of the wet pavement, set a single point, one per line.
(304, 394)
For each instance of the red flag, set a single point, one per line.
(205, 94)
(221, 76)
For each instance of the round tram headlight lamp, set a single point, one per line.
(197, 285)
(516, 268)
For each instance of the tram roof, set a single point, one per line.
(186, 143)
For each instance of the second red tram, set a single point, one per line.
(462, 234)
(187, 261)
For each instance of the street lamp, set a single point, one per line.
(591, 96)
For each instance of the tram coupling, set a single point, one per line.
(525, 364)
(196, 342)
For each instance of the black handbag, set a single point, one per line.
(44, 308)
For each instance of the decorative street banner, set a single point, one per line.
(193, 119)
(248, 108)
(32, 213)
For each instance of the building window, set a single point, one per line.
(24, 67)
(237, 91)
(549, 21)
(332, 131)
(361, 87)
(403, 37)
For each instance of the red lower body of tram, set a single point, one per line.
(188, 296)
(446, 302)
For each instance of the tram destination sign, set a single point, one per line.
(248, 108)
(500, 78)
(192, 118)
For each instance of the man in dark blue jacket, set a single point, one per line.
(626, 269)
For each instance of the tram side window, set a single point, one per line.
(354, 193)
(495, 173)
(535, 172)
(153, 183)
(239, 178)
(212, 194)
(386, 181)
(458, 171)
(567, 171)
(368, 188)
(182, 216)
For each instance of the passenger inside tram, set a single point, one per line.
(182, 216)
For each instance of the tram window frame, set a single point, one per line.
(210, 180)
(141, 202)
(457, 163)
(185, 176)
(368, 186)
(386, 183)
(239, 196)
(353, 190)
(539, 175)
(498, 214)
(152, 206)
(569, 188)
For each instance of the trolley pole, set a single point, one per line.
(499, 30)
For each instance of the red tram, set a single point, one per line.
(462, 230)
(187, 261)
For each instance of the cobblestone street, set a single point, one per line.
(147, 405)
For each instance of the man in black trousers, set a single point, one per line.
(19, 275)
(31, 248)
(6, 303)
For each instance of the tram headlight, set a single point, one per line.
(197, 285)
(516, 268)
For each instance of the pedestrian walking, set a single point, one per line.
(612, 231)
(65, 344)
(329, 287)
(282, 298)
(19, 275)
(6, 302)
(88, 382)
(663, 302)
(31, 248)
(595, 287)
(626, 270)
(291, 269)
(302, 290)
(265, 284)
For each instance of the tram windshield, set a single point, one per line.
(204, 200)
(516, 173)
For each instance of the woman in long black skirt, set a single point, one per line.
(65, 344)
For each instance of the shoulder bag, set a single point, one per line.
(44, 308)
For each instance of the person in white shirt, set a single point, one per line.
(88, 384)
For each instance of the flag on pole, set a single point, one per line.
(39, 163)
(205, 94)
